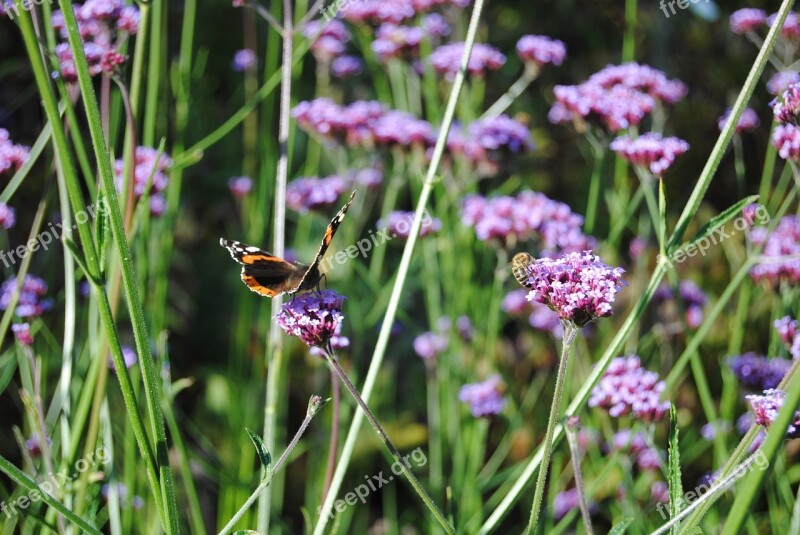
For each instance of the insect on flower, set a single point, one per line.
(519, 266)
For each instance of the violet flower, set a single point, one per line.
(398, 224)
(446, 59)
(627, 388)
(12, 156)
(748, 121)
(781, 252)
(786, 138)
(540, 50)
(766, 407)
(781, 81)
(346, 66)
(578, 287)
(331, 41)
(150, 168)
(311, 193)
(22, 332)
(747, 20)
(484, 398)
(430, 345)
(240, 186)
(244, 59)
(31, 302)
(786, 108)
(759, 372)
(313, 317)
(650, 151)
(8, 216)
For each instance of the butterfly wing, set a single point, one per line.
(263, 272)
(312, 275)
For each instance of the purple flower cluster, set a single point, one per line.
(485, 398)
(619, 96)
(393, 41)
(22, 332)
(490, 143)
(692, 298)
(240, 186)
(650, 151)
(31, 303)
(244, 59)
(8, 217)
(331, 41)
(786, 108)
(781, 81)
(747, 20)
(104, 25)
(748, 121)
(627, 388)
(766, 407)
(430, 345)
(313, 193)
(392, 11)
(346, 66)
(150, 168)
(759, 372)
(790, 335)
(11, 156)
(313, 317)
(540, 50)
(791, 26)
(781, 252)
(398, 224)
(786, 138)
(540, 317)
(446, 59)
(578, 287)
(528, 216)
(635, 443)
(337, 342)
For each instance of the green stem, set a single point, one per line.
(429, 503)
(570, 331)
(402, 271)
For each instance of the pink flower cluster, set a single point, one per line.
(392, 11)
(312, 193)
(635, 443)
(12, 156)
(314, 317)
(650, 151)
(748, 121)
(541, 50)
(619, 96)
(781, 252)
(508, 220)
(485, 398)
(578, 287)
(766, 408)
(104, 25)
(627, 388)
(790, 335)
(747, 20)
(31, 302)
(331, 41)
(398, 224)
(540, 317)
(446, 59)
(150, 168)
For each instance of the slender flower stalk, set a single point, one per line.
(572, 425)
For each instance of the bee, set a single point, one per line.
(519, 266)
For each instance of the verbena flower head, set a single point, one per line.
(31, 302)
(786, 108)
(393, 41)
(786, 138)
(345, 124)
(34, 445)
(578, 287)
(398, 128)
(747, 20)
(791, 26)
(22, 332)
(240, 186)
(692, 298)
(446, 59)
(790, 335)
(12, 156)
(659, 492)
(331, 42)
(759, 372)
(485, 398)
(393, 11)
(150, 168)
(313, 317)
(766, 408)
(244, 59)
(540, 317)
(312, 193)
(627, 388)
(497, 138)
(540, 50)
(781, 252)
(567, 501)
(398, 224)
(650, 151)
(748, 121)
(8, 216)
(529, 216)
(430, 345)
(435, 25)
(338, 341)
(641, 78)
(781, 81)
(346, 66)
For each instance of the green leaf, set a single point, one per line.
(675, 488)
(261, 449)
(247, 532)
(73, 248)
(621, 526)
(720, 220)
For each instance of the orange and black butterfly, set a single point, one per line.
(268, 275)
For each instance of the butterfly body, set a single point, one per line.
(270, 275)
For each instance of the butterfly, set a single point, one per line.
(268, 275)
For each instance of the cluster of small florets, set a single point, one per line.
(12, 156)
(619, 96)
(104, 25)
(508, 220)
(312, 193)
(766, 408)
(346, 66)
(635, 443)
(485, 398)
(627, 388)
(748, 121)
(540, 50)
(787, 108)
(781, 252)
(789, 334)
(244, 59)
(747, 20)
(31, 302)
(397, 41)
(314, 317)
(398, 224)
(758, 372)
(150, 169)
(490, 143)
(651, 151)
(781, 81)
(578, 287)
(692, 298)
(446, 59)
(392, 11)
(540, 317)
(331, 38)
(786, 136)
